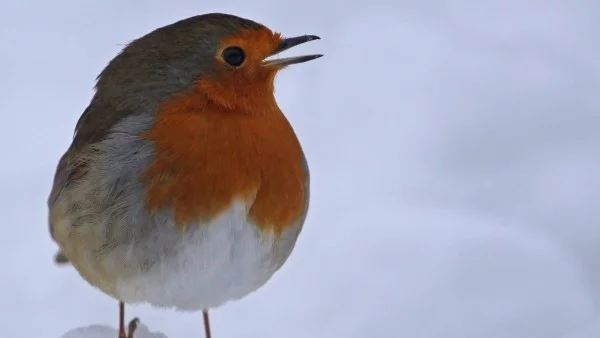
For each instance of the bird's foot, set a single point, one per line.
(133, 324)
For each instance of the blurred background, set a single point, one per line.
(455, 160)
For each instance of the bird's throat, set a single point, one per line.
(253, 95)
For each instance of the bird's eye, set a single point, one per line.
(234, 56)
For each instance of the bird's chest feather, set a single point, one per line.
(203, 267)
(205, 161)
(233, 188)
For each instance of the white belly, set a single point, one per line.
(210, 264)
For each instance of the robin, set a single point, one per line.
(185, 186)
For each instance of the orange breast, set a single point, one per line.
(207, 157)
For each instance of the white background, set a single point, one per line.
(455, 156)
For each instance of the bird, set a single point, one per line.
(184, 186)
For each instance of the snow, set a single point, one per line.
(103, 331)
(454, 151)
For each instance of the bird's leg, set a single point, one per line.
(131, 327)
(122, 333)
(206, 324)
(132, 324)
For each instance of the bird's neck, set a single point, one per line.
(241, 95)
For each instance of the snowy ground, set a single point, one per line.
(455, 157)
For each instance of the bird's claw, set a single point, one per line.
(131, 327)
(133, 324)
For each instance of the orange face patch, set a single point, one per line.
(249, 87)
(207, 156)
(256, 43)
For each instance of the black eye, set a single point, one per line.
(234, 56)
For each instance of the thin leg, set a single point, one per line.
(131, 327)
(206, 324)
(122, 333)
(132, 324)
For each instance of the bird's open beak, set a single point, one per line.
(287, 44)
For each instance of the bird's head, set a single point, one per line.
(225, 58)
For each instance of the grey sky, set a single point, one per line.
(455, 160)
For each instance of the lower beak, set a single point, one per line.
(287, 44)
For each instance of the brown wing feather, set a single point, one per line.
(92, 127)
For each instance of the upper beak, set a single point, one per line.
(287, 44)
